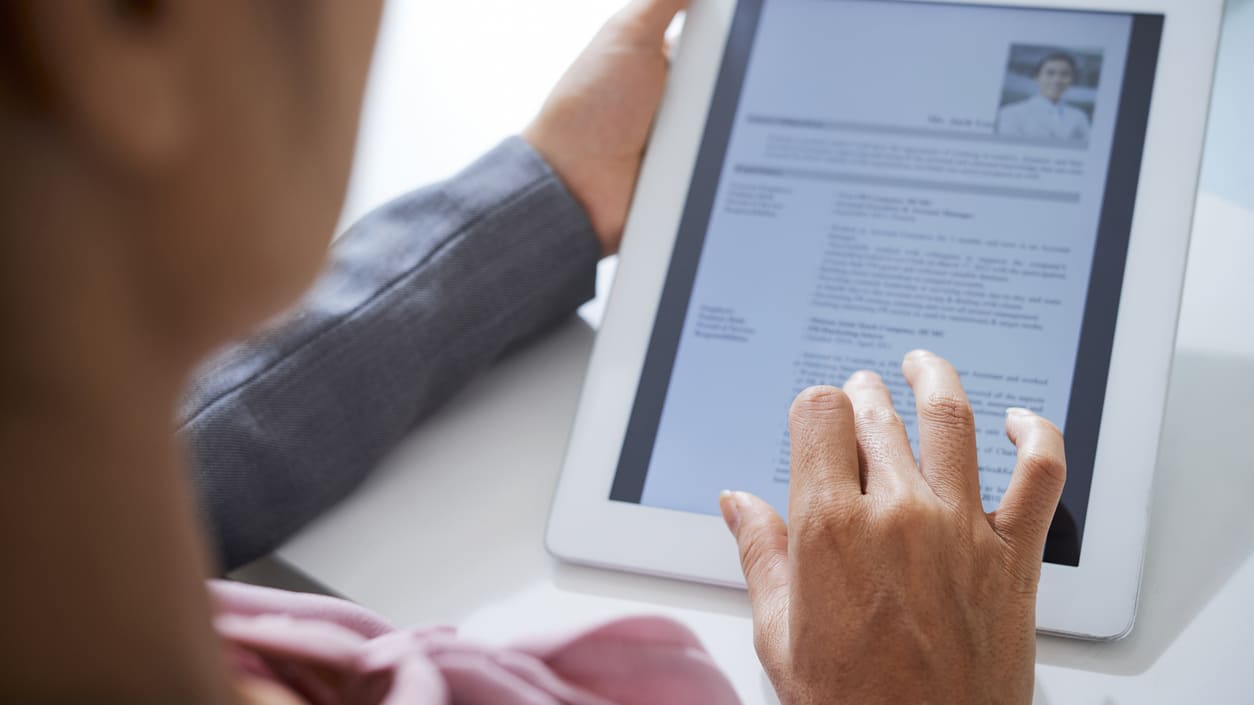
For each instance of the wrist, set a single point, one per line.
(567, 173)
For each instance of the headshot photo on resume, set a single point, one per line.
(1049, 94)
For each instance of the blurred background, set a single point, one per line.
(1228, 170)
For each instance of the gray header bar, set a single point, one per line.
(926, 184)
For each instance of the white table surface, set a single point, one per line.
(450, 528)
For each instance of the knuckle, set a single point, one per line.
(945, 409)
(904, 513)
(1043, 467)
(820, 528)
(875, 415)
(817, 401)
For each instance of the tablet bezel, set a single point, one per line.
(1095, 600)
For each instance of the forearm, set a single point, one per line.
(419, 296)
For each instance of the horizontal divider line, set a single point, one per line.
(931, 132)
(925, 184)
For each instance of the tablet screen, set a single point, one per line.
(883, 175)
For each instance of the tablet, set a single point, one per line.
(832, 183)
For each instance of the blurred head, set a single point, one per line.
(210, 142)
(1054, 75)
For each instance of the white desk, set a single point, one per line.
(450, 529)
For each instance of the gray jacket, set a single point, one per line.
(419, 296)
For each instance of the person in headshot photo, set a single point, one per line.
(1047, 115)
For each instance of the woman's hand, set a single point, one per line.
(890, 584)
(593, 127)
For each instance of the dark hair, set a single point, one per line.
(24, 79)
(1057, 56)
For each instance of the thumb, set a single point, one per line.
(1028, 507)
(762, 538)
(652, 17)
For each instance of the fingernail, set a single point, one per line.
(1016, 411)
(731, 509)
(917, 354)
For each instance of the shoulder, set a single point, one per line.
(1075, 113)
(1018, 107)
(1016, 110)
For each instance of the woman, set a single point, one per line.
(172, 171)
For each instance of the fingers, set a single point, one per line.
(887, 461)
(1026, 510)
(824, 458)
(654, 16)
(947, 451)
(762, 539)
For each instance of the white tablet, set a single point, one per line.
(832, 183)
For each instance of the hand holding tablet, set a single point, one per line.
(888, 566)
(594, 125)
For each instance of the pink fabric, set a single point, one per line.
(329, 651)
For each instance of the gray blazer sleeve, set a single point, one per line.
(419, 296)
